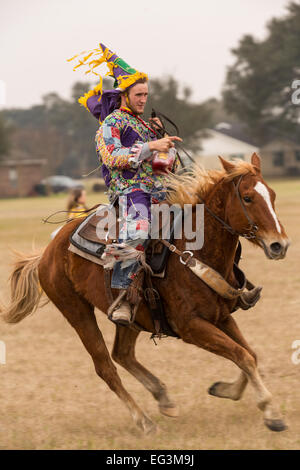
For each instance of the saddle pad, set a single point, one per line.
(94, 249)
(94, 228)
(84, 255)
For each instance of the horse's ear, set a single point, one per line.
(228, 167)
(256, 161)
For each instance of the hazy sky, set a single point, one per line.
(190, 39)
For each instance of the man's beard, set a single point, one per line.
(135, 111)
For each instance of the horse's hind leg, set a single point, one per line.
(233, 390)
(81, 316)
(124, 354)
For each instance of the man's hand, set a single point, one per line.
(164, 144)
(156, 123)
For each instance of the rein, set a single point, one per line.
(253, 227)
(47, 221)
(162, 131)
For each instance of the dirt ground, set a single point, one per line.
(51, 398)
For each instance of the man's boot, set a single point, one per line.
(122, 314)
(120, 311)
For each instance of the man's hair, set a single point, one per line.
(140, 80)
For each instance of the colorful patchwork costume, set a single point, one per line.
(122, 147)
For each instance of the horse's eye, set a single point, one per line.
(247, 199)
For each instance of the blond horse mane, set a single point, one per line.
(197, 182)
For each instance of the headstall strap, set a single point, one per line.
(253, 227)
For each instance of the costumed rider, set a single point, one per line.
(126, 146)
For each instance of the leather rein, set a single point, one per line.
(251, 233)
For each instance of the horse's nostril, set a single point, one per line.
(276, 247)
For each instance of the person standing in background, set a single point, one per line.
(76, 203)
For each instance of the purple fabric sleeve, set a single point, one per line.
(108, 103)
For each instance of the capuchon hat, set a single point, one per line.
(101, 103)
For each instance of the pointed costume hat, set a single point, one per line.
(101, 103)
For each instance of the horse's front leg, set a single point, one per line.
(207, 336)
(232, 390)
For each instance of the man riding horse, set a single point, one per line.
(126, 146)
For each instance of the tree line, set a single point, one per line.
(63, 132)
(257, 92)
(258, 87)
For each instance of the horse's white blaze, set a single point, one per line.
(263, 191)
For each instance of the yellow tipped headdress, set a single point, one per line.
(124, 75)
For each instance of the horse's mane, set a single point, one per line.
(197, 182)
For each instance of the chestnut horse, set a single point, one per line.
(236, 195)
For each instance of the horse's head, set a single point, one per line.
(250, 209)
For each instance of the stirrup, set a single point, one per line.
(116, 304)
(122, 315)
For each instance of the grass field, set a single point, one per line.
(51, 398)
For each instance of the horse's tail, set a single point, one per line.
(25, 288)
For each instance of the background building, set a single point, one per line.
(216, 143)
(19, 174)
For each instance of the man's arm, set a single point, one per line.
(115, 155)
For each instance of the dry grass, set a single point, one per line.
(51, 398)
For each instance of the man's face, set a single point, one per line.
(137, 97)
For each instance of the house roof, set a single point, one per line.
(29, 162)
(18, 157)
(216, 143)
(236, 130)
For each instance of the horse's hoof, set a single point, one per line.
(213, 389)
(225, 390)
(276, 425)
(147, 426)
(171, 411)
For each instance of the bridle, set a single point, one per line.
(252, 234)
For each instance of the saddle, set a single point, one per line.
(101, 228)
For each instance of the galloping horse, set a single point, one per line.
(239, 203)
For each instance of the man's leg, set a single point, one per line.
(135, 234)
